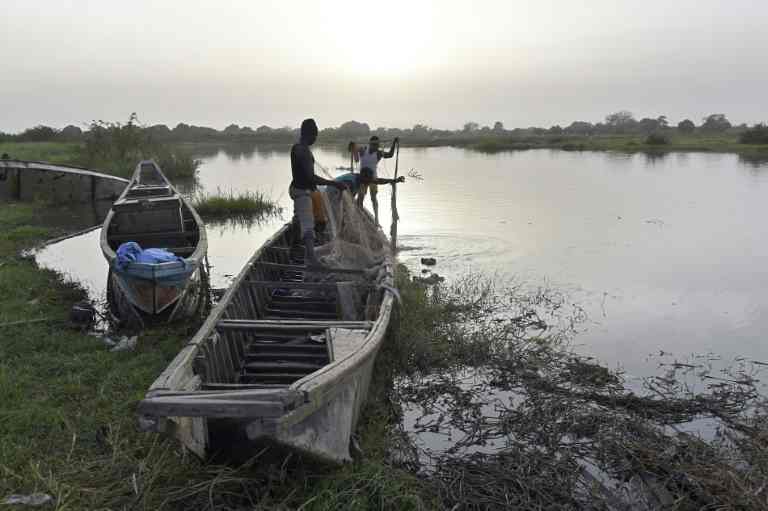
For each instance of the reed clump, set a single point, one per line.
(247, 204)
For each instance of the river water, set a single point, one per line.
(664, 252)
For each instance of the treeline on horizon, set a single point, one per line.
(615, 124)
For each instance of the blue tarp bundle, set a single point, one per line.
(130, 252)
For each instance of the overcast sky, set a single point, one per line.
(394, 63)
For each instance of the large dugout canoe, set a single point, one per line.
(153, 214)
(280, 357)
(57, 184)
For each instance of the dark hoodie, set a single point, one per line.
(302, 161)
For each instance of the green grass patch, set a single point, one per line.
(67, 153)
(235, 205)
(67, 420)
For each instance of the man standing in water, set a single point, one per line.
(369, 158)
(303, 184)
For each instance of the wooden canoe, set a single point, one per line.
(153, 214)
(279, 357)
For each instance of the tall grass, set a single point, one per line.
(53, 152)
(235, 205)
(116, 148)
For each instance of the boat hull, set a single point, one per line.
(244, 365)
(151, 213)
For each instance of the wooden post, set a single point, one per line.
(395, 216)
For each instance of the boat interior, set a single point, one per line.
(285, 322)
(152, 214)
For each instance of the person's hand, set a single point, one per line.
(400, 179)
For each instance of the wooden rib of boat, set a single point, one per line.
(153, 214)
(281, 357)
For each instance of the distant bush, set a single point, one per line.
(37, 134)
(756, 135)
(117, 147)
(686, 126)
(657, 139)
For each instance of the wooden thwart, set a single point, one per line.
(263, 324)
(279, 284)
(312, 269)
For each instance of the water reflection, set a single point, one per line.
(754, 161)
(692, 280)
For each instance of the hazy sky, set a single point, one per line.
(393, 63)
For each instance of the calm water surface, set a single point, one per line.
(664, 253)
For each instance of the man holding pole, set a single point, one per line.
(369, 157)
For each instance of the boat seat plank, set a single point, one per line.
(278, 284)
(295, 267)
(152, 235)
(266, 377)
(266, 349)
(257, 324)
(281, 366)
(298, 356)
(211, 408)
(243, 386)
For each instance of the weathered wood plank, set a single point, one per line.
(247, 324)
(296, 267)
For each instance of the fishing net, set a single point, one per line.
(354, 241)
(352, 250)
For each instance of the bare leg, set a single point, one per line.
(375, 201)
(361, 195)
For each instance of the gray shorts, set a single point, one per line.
(302, 209)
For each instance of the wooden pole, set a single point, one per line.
(395, 215)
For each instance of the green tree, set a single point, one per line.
(686, 126)
(621, 121)
(716, 123)
(469, 127)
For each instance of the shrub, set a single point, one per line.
(117, 148)
(657, 139)
(756, 135)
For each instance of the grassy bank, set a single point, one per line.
(476, 363)
(242, 205)
(66, 153)
(112, 148)
(67, 420)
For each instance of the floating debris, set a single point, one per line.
(35, 499)
(126, 344)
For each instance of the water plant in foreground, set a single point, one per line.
(503, 414)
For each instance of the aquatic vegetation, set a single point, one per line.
(503, 413)
(242, 205)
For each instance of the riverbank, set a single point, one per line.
(71, 153)
(103, 156)
(725, 143)
(68, 414)
(477, 384)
